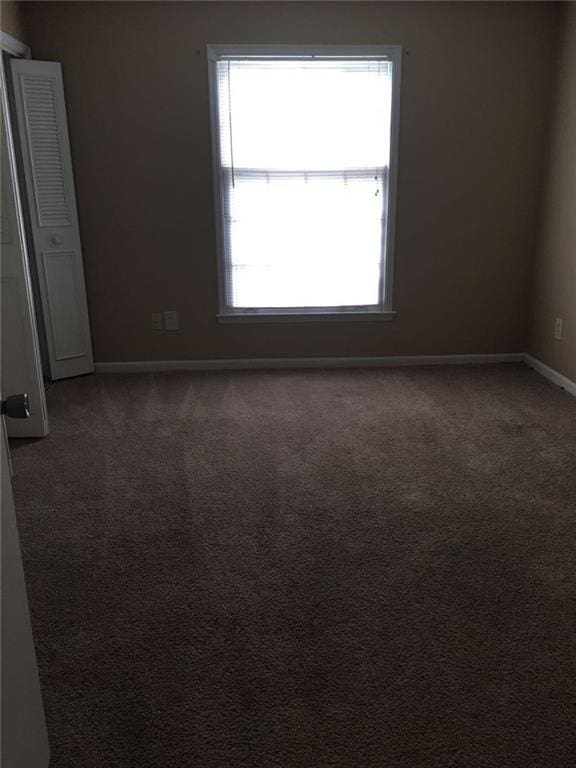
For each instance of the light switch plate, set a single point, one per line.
(171, 320)
(156, 321)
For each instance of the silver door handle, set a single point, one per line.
(56, 240)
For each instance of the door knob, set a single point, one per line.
(56, 240)
(15, 406)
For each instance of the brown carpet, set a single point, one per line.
(368, 569)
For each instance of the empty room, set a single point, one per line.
(288, 384)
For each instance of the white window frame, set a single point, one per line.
(385, 308)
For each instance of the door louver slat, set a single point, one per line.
(44, 144)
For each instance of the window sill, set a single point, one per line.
(309, 317)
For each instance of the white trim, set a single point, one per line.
(314, 317)
(393, 53)
(13, 46)
(143, 366)
(392, 201)
(551, 374)
(300, 51)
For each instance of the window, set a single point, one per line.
(304, 146)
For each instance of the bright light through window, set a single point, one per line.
(303, 157)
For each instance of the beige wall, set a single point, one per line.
(11, 19)
(555, 274)
(475, 93)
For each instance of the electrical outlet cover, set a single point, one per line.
(558, 328)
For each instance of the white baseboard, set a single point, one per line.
(143, 366)
(551, 374)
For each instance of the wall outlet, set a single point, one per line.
(171, 320)
(156, 321)
(558, 328)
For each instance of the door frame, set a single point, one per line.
(15, 47)
(18, 49)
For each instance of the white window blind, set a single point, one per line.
(304, 151)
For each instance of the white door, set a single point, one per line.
(21, 368)
(43, 131)
(24, 736)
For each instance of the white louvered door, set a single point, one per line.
(43, 131)
(21, 367)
